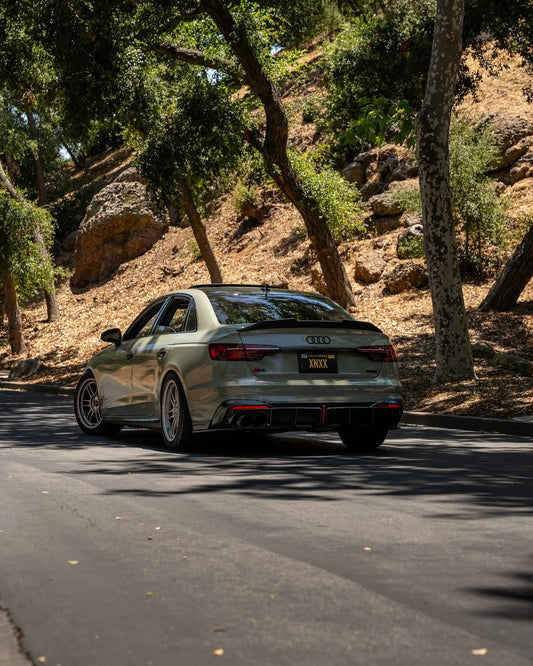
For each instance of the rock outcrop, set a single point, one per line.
(369, 267)
(405, 275)
(119, 225)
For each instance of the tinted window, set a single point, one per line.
(180, 315)
(248, 308)
(192, 322)
(144, 322)
(173, 319)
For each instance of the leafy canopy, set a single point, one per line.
(19, 252)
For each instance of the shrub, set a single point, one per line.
(408, 199)
(18, 248)
(244, 195)
(193, 249)
(377, 71)
(411, 247)
(338, 200)
(478, 212)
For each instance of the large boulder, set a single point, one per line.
(28, 367)
(385, 204)
(355, 172)
(373, 170)
(523, 167)
(119, 225)
(369, 267)
(405, 275)
(512, 134)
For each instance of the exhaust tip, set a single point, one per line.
(246, 420)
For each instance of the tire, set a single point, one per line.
(176, 425)
(87, 408)
(363, 439)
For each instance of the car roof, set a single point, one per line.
(223, 285)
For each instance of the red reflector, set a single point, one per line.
(387, 405)
(236, 352)
(383, 354)
(239, 407)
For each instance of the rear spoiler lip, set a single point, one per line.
(294, 323)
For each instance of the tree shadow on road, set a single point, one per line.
(487, 473)
(466, 476)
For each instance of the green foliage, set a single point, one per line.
(244, 194)
(379, 119)
(408, 199)
(13, 134)
(377, 71)
(411, 247)
(298, 20)
(479, 213)
(337, 199)
(194, 141)
(192, 248)
(18, 249)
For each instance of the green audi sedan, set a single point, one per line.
(243, 357)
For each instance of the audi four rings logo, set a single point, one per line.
(318, 339)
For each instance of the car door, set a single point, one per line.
(150, 355)
(115, 368)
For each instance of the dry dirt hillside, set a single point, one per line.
(277, 251)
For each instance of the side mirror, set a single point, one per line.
(112, 335)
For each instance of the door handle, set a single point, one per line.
(129, 356)
(161, 353)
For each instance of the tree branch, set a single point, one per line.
(182, 18)
(4, 179)
(197, 58)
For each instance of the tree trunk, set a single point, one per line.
(72, 155)
(512, 281)
(14, 319)
(200, 234)
(277, 161)
(453, 351)
(39, 172)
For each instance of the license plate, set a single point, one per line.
(312, 362)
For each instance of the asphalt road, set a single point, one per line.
(281, 550)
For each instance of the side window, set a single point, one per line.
(192, 322)
(146, 328)
(144, 322)
(176, 317)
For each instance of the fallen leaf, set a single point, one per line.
(219, 652)
(219, 628)
(149, 594)
(73, 561)
(480, 651)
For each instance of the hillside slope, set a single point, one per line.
(277, 252)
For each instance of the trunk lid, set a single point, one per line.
(315, 350)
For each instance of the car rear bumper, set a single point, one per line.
(254, 415)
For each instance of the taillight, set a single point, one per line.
(236, 352)
(384, 354)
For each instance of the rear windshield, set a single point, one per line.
(249, 308)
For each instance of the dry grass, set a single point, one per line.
(276, 252)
